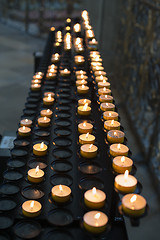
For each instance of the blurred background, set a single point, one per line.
(129, 40)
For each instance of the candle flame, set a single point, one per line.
(49, 96)
(85, 100)
(119, 145)
(123, 159)
(84, 124)
(32, 205)
(81, 72)
(94, 191)
(107, 104)
(97, 216)
(45, 118)
(36, 85)
(112, 122)
(110, 114)
(56, 55)
(37, 169)
(126, 174)
(93, 40)
(87, 135)
(104, 89)
(85, 106)
(104, 81)
(115, 133)
(65, 70)
(133, 199)
(42, 145)
(90, 146)
(60, 188)
(83, 86)
(106, 96)
(48, 110)
(101, 77)
(24, 128)
(26, 120)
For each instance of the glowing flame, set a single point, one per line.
(90, 146)
(60, 188)
(94, 190)
(37, 169)
(93, 40)
(32, 205)
(87, 135)
(110, 114)
(97, 216)
(112, 122)
(65, 70)
(123, 159)
(26, 120)
(115, 133)
(126, 174)
(104, 89)
(133, 199)
(85, 107)
(119, 146)
(84, 124)
(45, 118)
(49, 96)
(24, 128)
(56, 55)
(68, 20)
(48, 110)
(36, 85)
(106, 96)
(42, 145)
(106, 104)
(83, 86)
(101, 77)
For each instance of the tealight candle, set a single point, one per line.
(35, 175)
(105, 98)
(115, 136)
(79, 60)
(48, 100)
(36, 81)
(133, 205)
(81, 77)
(65, 72)
(97, 68)
(81, 82)
(82, 89)
(85, 127)
(110, 115)
(52, 94)
(51, 75)
(52, 66)
(26, 122)
(55, 58)
(101, 78)
(93, 42)
(31, 208)
(118, 149)
(40, 149)
(82, 102)
(121, 163)
(24, 131)
(84, 110)
(88, 151)
(46, 113)
(35, 87)
(104, 83)
(107, 107)
(112, 125)
(104, 91)
(37, 76)
(80, 72)
(95, 221)
(61, 193)
(44, 121)
(86, 138)
(94, 198)
(125, 183)
(99, 73)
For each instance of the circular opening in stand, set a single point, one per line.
(32, 100)
(62, 142)
(15, 163)
(63, 179)
(61, 114)
(62, 132)
(29, 112)
(4, 236)
(64, 101)
(7, 204)
(27, 229)
(28, 117)
(21, 143)
(18, 152)
(36, 162)
(5, 221)
(57, 235)
(49, 88)
(64, 89)
(9, 189)
(62, 153)
(32, 192)
(61, 166)
(30, 106)
(34, 94)
(89, 167)
(63, 123)
(60, 217)
(63, 108)
(90, 182)
(41, 133)
(64, 95)
(12, 175)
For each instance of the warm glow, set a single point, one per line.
(126, 174)
(45, 118)
(93, 40)
(60, 188)
(107, 104)
(32, 205)
(101, 77)
(48, 110)
(133, 199)
(68, 28)
(24, 128)
(112, 122)
(104, 89)
(84, 124)
(85, 106)
(37, 169)
(104, 81)
(94, 190)
(65, 70)
(52, 28)
(85, 100)
(49, 96)
(90, 146)
(68, 20)
(83, 86)
(36, 85)
(87, 135)
(97, 216)
(26, 120)
(42, 145)
(115, 133)
(110, 114)
(105, 96)
(77, 27)
(119, 146)
(123, 159)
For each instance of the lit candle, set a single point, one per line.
(111, 125)
(35, 87)
(104, 83)
(93, 42)
(55, 58)
(52, 94)
(121, 163)
(81, 82)
(44, 121)
(85, 127)
(80, 72)
(94, 198)
(51, 75)
(118, 149)
(82, 89)
(40, 149)
(46, 113)
(38, 76)
(48, 100)
(86, 138)
(125, 183)
(99, 73)
(79, 60)
(77, 27)
(82, 77)
(65, 72)
(104, 91)
(97, 68)
(24, 131)
(84, 110)
(105, 98)
(31, 208)
(110, 115)
(36, 81)
(82, 102)
(52, 66)
(101, 78)
(95, 221)
(35, 175)
(88, 151)
(107, 107)
(133, 205)
(115, 136)
(61, 193)
(26, 122)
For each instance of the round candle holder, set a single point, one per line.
(5, 221)
(62, 132)
(63, 179)
(7, 204)
(32, 192)
(18, 153)
(16, 163)
(12, 175)
(58, 234)
(61, 166)
(63, 122)
(61, 114)
(115, 136)
(89, 167)
(9, 189)
(62, 142)
(62, 153)
(21, 143)
(90, 182)
(60, 217)
(42, 134)
(37, 162)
